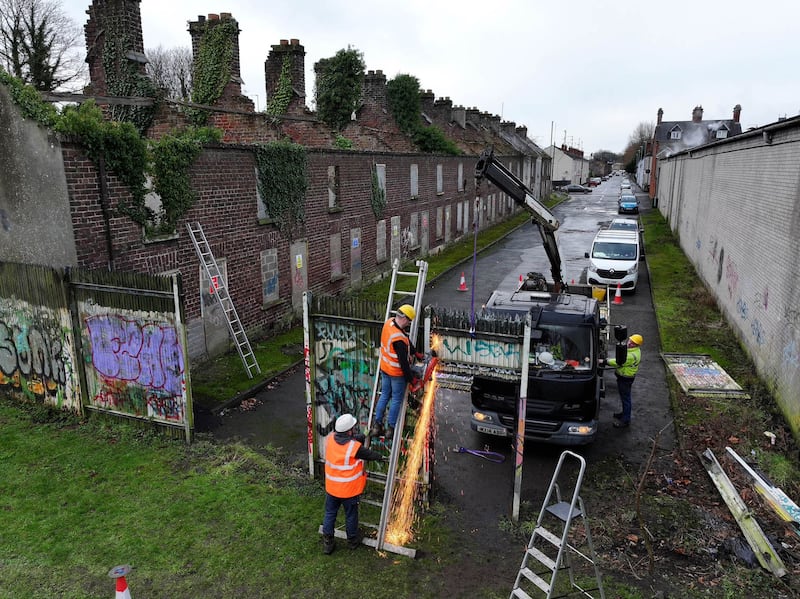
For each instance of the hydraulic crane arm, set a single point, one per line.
(498, 174)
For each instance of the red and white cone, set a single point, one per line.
(618, 296)
(463, 285)
(119, 572)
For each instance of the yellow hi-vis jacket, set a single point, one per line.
(345, 476)
(390, 363)
(631, 365)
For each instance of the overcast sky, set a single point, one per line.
(588, 70)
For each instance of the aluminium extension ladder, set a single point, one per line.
(223, 297)
(414, 298)
(546, 580)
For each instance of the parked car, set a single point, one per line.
(628, 204)
(573, 188)
(595, 181)
(624, 224)
(625, 184)
(614, 259)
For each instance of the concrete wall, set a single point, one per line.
(735, 207)
(33, 193)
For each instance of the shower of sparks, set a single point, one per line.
(403, 498)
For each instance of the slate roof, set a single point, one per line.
(693, 134)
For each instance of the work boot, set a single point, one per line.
(622, 424)
(376, 430)
(355, 542)
(389, 434)
(617, 415)
(328, 544)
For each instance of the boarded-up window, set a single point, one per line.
(439, 179)
(380, 171)
(461, 181)
(333, 187)
(413, 176)
(439, 223)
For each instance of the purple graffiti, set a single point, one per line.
(147, 354)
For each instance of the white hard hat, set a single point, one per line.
(546, 358)
(345, 422)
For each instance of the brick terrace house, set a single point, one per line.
(341, 243)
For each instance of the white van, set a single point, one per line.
(614, 259)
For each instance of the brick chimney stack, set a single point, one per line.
(443, 111)
(509, 127)
(294, 54)
(375, 92)
(231, 96)
(426, 102)
(522, 131)
(737, 111)
(660, 115)
(117, 21)
(697, 114)
(460, 116)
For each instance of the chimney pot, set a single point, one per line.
(284, 42)
(224, 15)
(201, 18)
(213, 17)
(294, 42)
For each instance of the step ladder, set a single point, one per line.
(223, 297)
(544, 543)
(387, 479)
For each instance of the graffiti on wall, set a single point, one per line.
(137, 366)
(36, 354)
(345, 362)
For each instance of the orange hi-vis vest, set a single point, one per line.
(345, 476)
(390, 364)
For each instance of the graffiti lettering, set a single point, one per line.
(146, 354)
(32, 352)
(758, 331)
(741, 305)
(479, 348)
(337, 331)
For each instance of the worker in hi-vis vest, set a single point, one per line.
(345, 479)
(396, 373)
(625, 374)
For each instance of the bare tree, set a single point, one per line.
(171, 70)
(40, 44)
(642, 133)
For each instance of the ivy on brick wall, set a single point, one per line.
(403, 96)
(127, 154)
(212, 66)
(282, 96)
(378, 198)
(282, 183)
(339, 87)
(173, 156)
(124, 78)
(119, 145)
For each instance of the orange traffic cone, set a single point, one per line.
(119, 573)
(520, 280)
(618, 296)
(463, 285)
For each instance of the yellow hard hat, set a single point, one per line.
(637, 339)
(407, 311)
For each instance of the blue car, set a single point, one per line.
(628, 204)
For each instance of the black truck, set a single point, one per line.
(569, 334)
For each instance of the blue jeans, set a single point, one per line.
(350, 515)
(624, 385)
(392, 388)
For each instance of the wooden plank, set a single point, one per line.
(762, 548)
(787, 509)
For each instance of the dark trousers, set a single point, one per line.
(350, 515)
(624, 385)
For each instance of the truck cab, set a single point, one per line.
(565, 379)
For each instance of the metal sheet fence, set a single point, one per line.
(105, 341)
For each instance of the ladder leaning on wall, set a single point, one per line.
(223, 298)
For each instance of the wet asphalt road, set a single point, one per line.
(480, 489)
